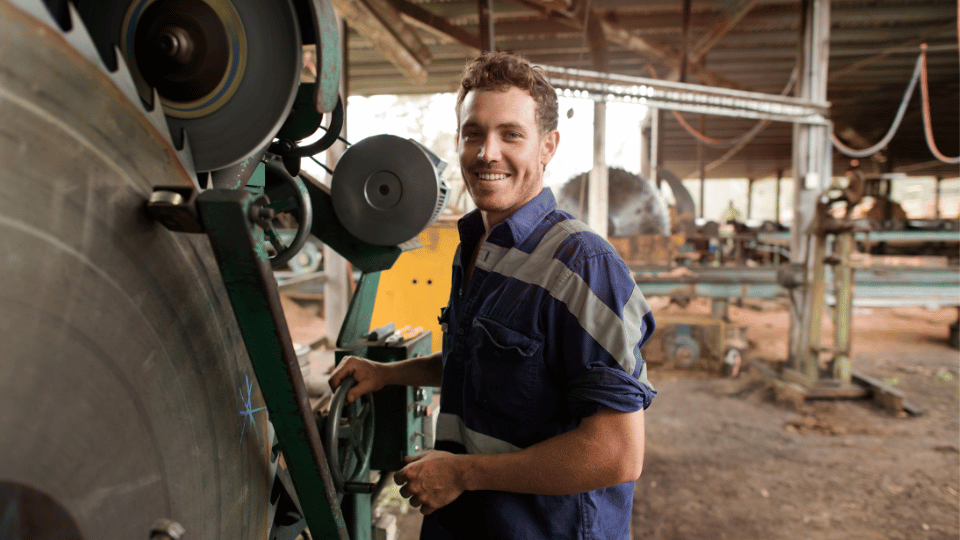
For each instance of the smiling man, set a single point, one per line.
(540, 432)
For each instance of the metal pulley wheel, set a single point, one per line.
(225, 72)
(348, 439)
(287, 194)
(386, 189)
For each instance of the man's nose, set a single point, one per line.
(490, 151)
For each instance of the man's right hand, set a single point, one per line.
(370, 376)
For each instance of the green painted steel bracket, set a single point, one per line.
(328, 55)
(227, 217)
(362, 255)
(356, 324)
(303, 119)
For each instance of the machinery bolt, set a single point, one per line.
(166, 529)
(168, 44)
(261, 215)
(162, 197)
(175, 44)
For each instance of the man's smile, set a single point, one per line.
(492, 176)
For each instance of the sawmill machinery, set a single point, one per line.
(149, 152)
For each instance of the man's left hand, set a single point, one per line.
(431, 480)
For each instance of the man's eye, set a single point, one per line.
(513, 135)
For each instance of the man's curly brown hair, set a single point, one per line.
(500, 71)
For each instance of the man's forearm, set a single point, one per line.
(421, 371)
(605, 450)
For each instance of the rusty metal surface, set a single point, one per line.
(125, 393)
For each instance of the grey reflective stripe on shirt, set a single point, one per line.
(617, 336)
(451, 427)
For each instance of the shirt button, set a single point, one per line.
(460, 331)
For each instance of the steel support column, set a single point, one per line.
(812, 171)
(336, 288)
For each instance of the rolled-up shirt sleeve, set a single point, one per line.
(603, 323)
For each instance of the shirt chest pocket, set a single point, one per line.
(507, 368)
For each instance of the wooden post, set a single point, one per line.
(598, 206)
(749, 199)
(646, 149)
(488, 38)
(809, 358)
(936, 199)
(843, 290)
(336, 288)
(655, 154)
(685, 38)
(776, 203)
(701, 168)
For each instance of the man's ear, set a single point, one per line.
(548, 146)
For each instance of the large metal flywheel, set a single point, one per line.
(126, 394)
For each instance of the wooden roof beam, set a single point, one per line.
(380, 22)
(720, 28)
(573, 13)
(665, 55)
(437, 25)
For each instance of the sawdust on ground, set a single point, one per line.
(724, 460)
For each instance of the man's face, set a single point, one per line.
(502, 154)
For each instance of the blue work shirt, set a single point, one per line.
(547, 331)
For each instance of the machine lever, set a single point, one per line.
(358, 487)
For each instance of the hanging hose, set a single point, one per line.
(742, 139)
(850, 152)
(927, 124)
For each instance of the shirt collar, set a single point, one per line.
(515, 228)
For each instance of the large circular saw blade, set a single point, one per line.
(242, 115)
(125, 393)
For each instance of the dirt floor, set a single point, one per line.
(725, 459)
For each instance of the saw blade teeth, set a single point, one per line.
(154, 113)
(38, 10)
(79, 38)
(124, 80)
(186, 158)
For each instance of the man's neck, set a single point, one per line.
(491, 220)
(473, 256)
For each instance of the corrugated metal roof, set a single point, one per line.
(750, 44)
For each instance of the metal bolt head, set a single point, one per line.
(166, 529)
(162, 197)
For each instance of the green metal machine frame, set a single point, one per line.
(234, 221)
